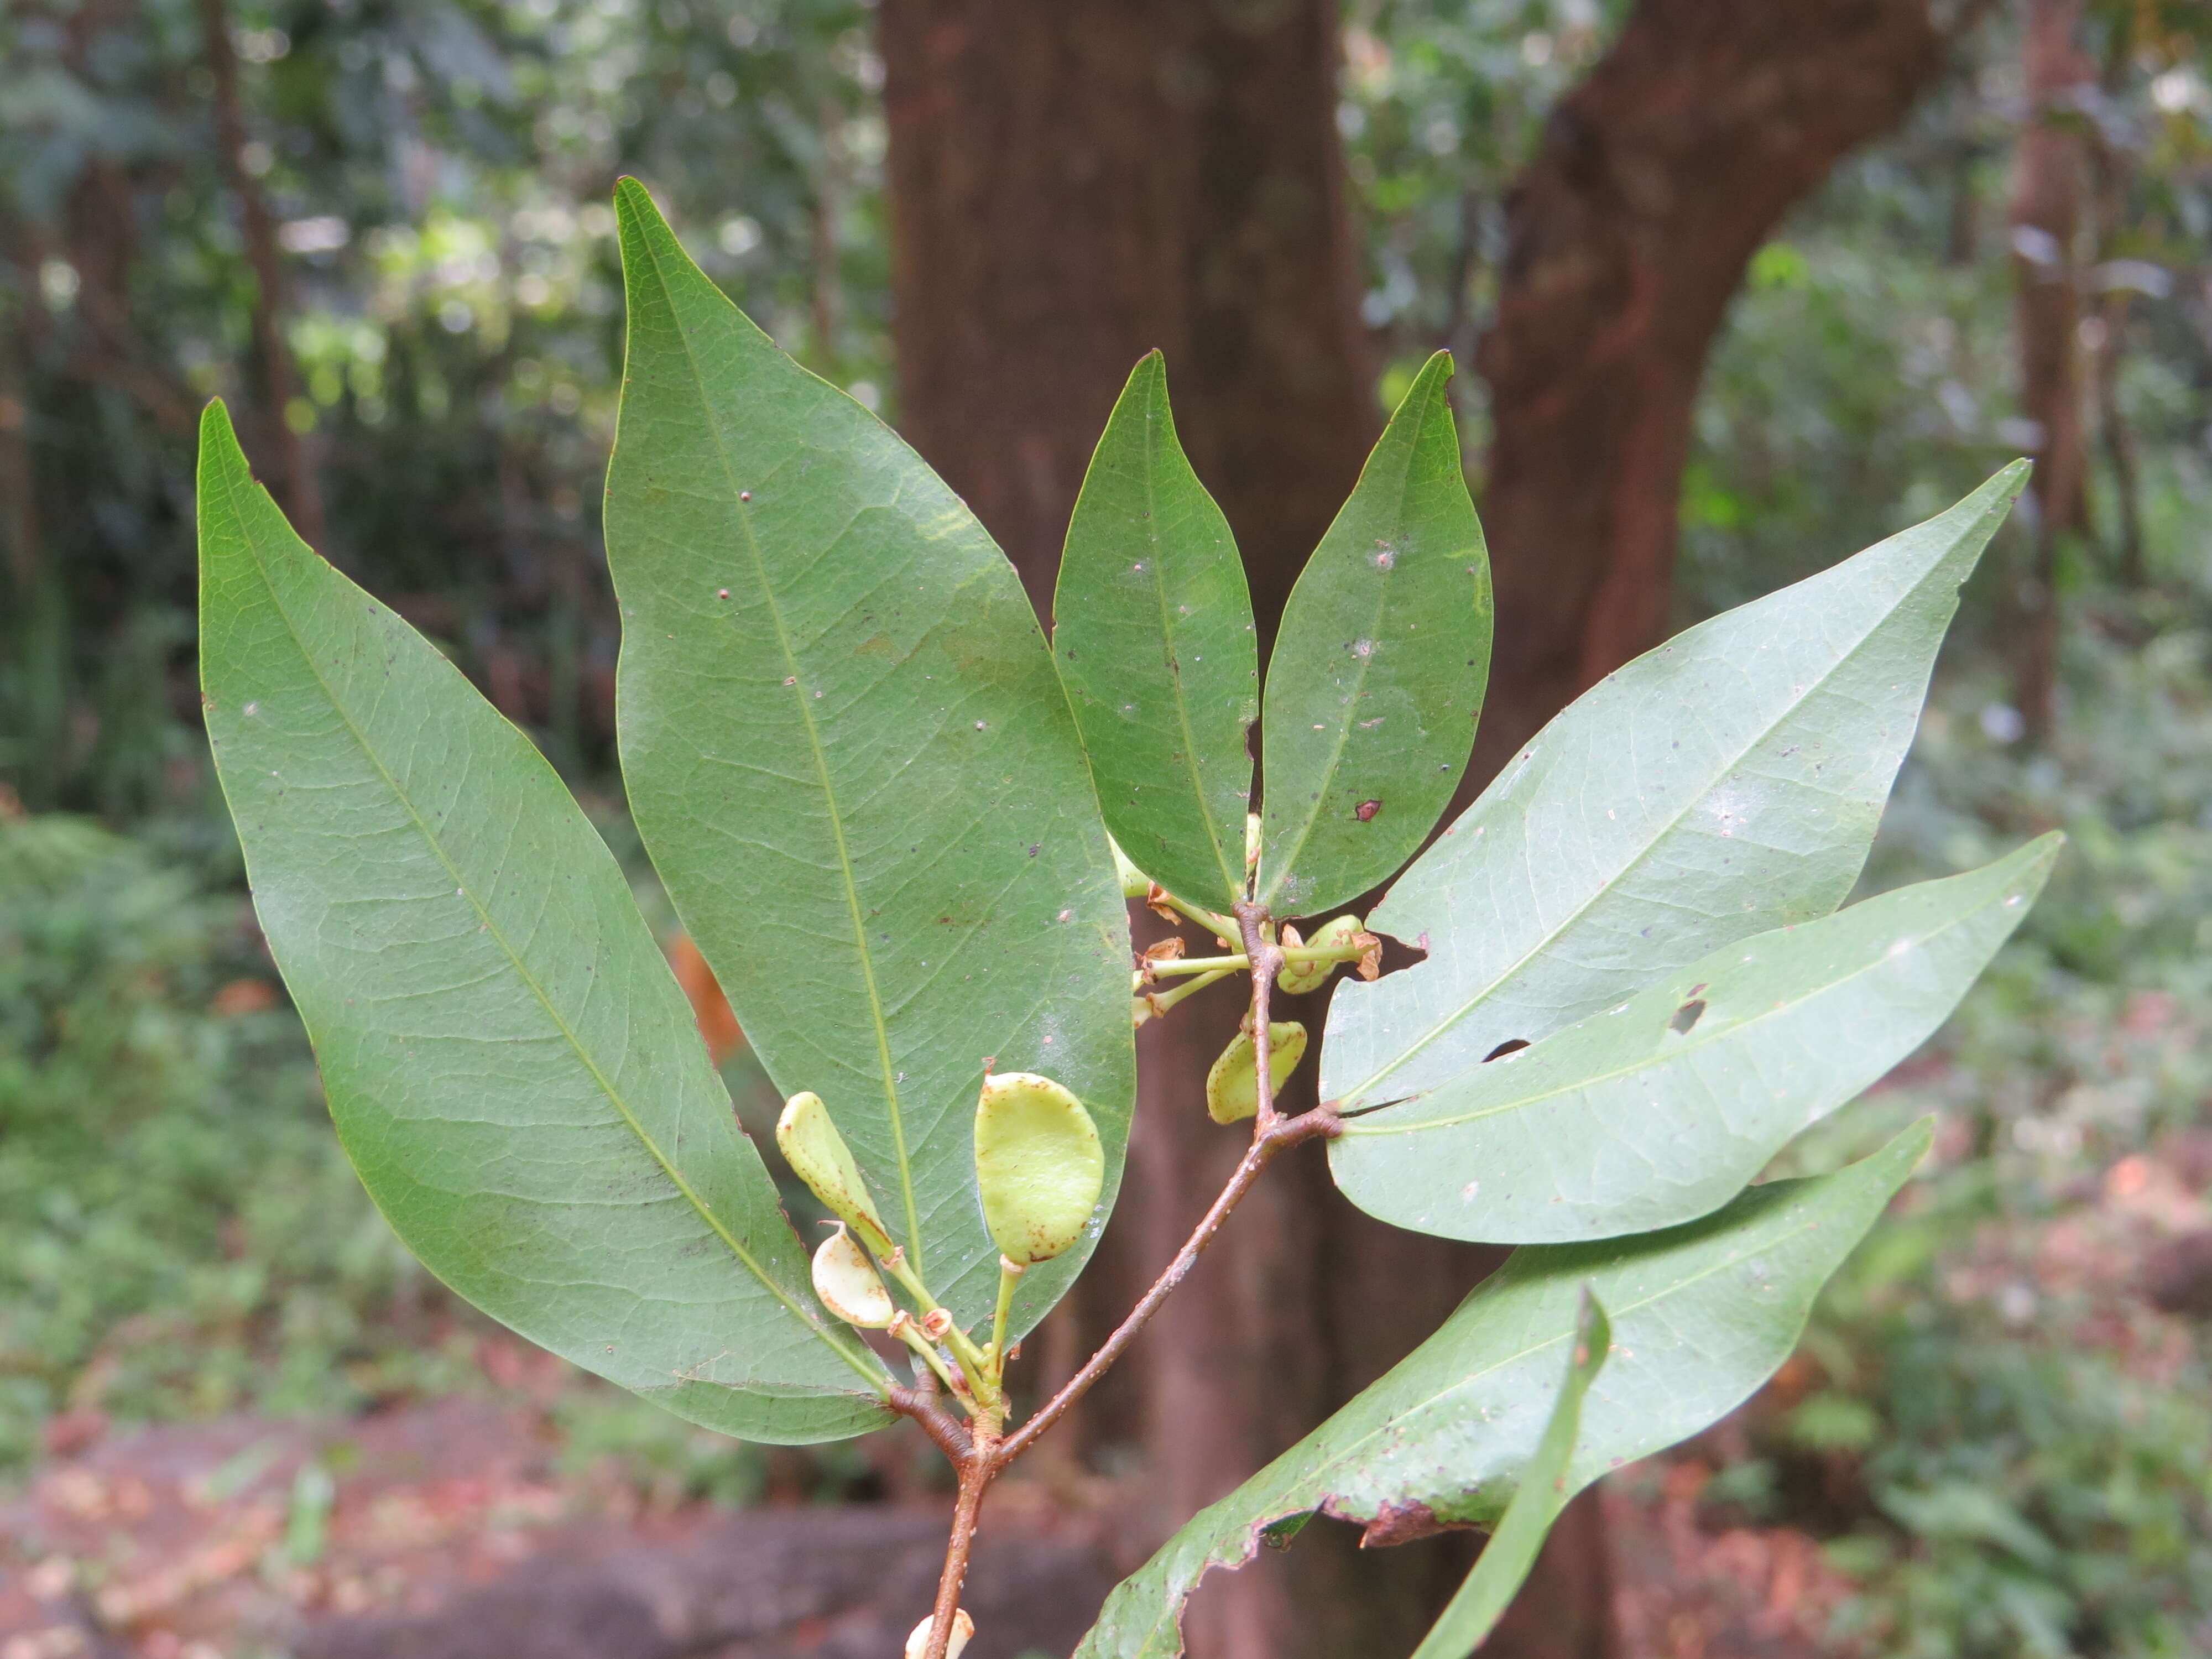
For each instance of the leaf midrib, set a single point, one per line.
(1687, 1048)
(1366, 665)
(857, 911)
(1651, 846)
(498, 935)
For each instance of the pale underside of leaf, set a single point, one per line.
(1499, 1571)
(1659, 1110)
(1701, 1316)
(508, 1059)
(1377, 675)
(1154, 638)
(850, 756)
(1728, 782)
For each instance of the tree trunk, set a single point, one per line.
(2048, 165)
(1071, 186)
(1658, 179)
(291, 472)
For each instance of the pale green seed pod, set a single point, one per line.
(963, 1627)
(848, 1284)
(1038, 1165)
(1232, 1084)
(1135, 883)
(1300, 977)
(818, 1156)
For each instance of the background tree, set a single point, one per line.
(1069, 189)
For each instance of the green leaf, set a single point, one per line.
(1659, 1109)
(1505, 1562)
(1376, 678)
(1702, 1315)
(1152, 630)
(509, 1062)
(1728, 782)
(851, 761)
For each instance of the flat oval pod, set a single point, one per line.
(818, 1156)
(1038, 1165)
(1232, 1084)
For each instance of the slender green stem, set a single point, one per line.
(970, 1357)
(1241, 964)
(974, 1362)
(1221, 926)
(910, 1334)
(1167, 999)
(1010, 1273)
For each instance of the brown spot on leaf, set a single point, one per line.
(1403, 1521)
(1366, 811)
(1510, 1046)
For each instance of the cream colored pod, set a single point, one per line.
(818, 1156)
(1232, 1084)
(848, 1284)
(1038, 1165)
(962, 1628)
(1300, 977)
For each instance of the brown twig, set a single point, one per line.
(1287, 1131)
(975, 1476)
(980, 1454)
(939, 1423)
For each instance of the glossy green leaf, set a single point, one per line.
(1728, 782)
(1499, 1570)
(1702, 1315)
(850, 757)
(1376, 678)
(1659, 1109)
(509, 1062)
(1152, 631)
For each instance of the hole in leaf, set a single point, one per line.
(1687, 1015)
(1507, 1047)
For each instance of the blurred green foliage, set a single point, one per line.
(179, 1232)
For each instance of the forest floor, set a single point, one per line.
(419, 1532)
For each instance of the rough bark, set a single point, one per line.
(2050, 165)
(1658, 179)
(1071, 186)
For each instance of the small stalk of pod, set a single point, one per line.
(1010, 1274)
(963, 1629)
(1038, 1166)
(1232, 1084)
(908, 1329)
(848, 1284)
(1338, 936)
